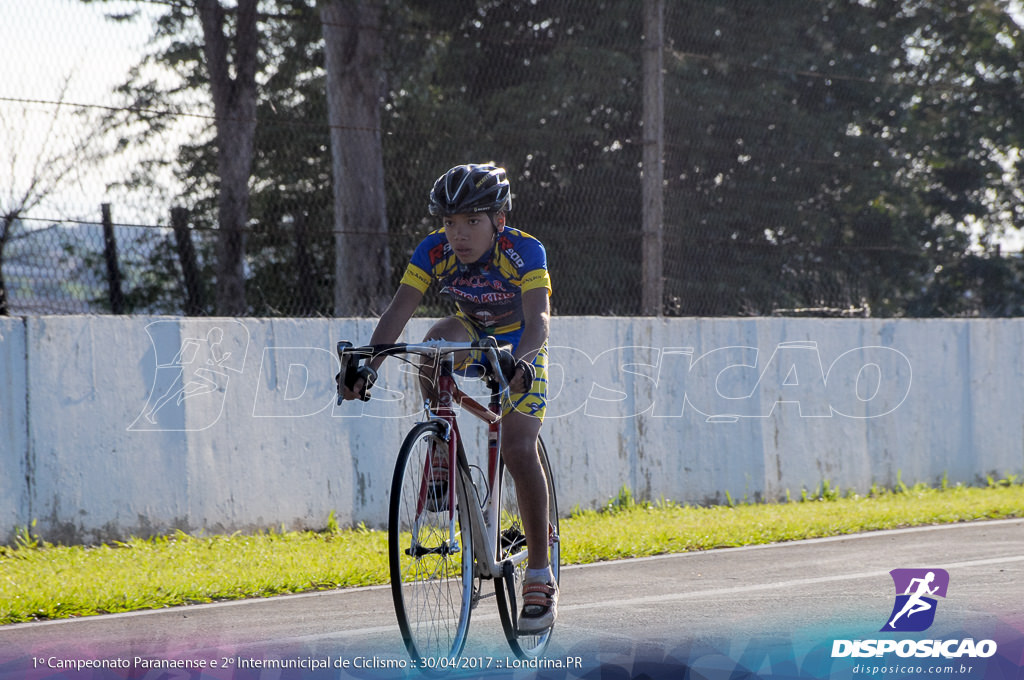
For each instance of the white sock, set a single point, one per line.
(543, 575)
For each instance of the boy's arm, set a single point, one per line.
(389, 327)
(536, 317)
(392, 321)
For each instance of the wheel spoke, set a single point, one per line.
(431, 588)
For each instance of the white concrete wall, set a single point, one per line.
(13, 427)
(116, 426)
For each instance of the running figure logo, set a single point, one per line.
(914, 610)
(195, 367)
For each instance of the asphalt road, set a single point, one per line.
(770, 611)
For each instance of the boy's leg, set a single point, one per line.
(449, 328)
(453, 330)
(519, 450)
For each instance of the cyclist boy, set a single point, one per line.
(498, 278)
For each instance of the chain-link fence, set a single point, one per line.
(820, 156)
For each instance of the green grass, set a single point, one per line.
(630, 529)
(43, 581)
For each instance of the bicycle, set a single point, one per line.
(444, 539)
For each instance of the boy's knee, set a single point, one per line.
(449, 328)
(519, 450)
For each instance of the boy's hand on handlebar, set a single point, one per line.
(518, 372)
(523, 377)
(362, 379)
(350, 394)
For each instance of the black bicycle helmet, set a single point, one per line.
(471, 188)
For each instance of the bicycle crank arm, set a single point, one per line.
(508, 576)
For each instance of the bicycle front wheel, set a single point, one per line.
(511, 550)
(430, 555)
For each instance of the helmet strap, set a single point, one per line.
(497, 220)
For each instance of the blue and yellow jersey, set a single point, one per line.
(489, 292)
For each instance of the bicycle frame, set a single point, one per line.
(429, 528)
(485, 520)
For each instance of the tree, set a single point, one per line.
(233, 85)
(830, 162)
(964, 129)
(828, 155)
(222, 58)
(550, 91)
(353, 52)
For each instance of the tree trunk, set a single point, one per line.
(355, 85)
(234, 103)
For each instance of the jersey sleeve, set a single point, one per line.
(537, 278)
(416, 277)
(535, 265)
(419, 271)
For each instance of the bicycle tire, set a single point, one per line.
(511, 540)
(431, 584)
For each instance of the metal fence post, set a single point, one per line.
(114, 292)
(653, 158)
(189, 264)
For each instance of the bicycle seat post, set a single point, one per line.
(431, 369)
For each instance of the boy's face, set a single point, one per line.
(471, 235)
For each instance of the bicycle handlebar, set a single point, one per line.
(498, 355)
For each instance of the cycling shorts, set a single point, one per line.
(532, 403)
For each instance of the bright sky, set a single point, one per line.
(45, 44)
(46, 41)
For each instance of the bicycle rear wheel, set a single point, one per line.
(512, 544)
(431, 567)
